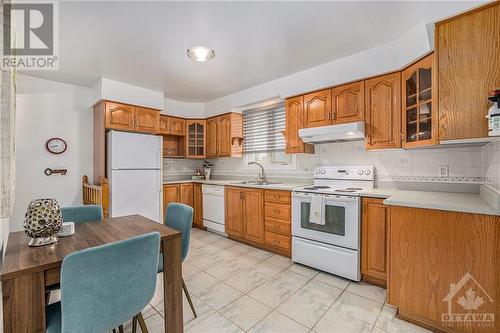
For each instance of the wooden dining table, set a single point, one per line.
(28, 271)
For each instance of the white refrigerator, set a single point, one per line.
(135, 174)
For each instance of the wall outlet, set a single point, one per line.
(443, 170)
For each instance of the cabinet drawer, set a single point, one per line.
(277, 241)
(278, 226)
(279, 211)
(282, 197)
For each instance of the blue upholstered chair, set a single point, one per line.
(104, 286)
(180, 218)
(82, 213)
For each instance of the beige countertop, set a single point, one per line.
(279, 186)
(449, 201)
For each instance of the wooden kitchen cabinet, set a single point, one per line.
(435, 257)
(383, 111)
(294, 121)
(198, 205)
(419, 112)
(171, 193)
(186, 194)
(196, 138)
(212, 141)
(348, 103)
(253, 215)
(468, 67)
(225, 136)
(119, 116)
(233, 211)
(374, 231)
(146, 120)
(318, 108)
(172, 125)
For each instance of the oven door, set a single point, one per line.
(341, 215)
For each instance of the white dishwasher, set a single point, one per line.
(213, 208)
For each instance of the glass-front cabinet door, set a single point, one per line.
(419, 118)
(196, 139)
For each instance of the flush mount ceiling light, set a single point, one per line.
(200, 53)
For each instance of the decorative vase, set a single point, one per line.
(207, 173)
(42, 221)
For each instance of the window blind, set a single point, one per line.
(263, 129)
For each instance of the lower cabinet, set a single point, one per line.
(186, 194)
(171, 193)
(259, 217)
(444, 266)
(198, 205)
(374, 230)
(244, 215)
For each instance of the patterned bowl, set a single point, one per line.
(42, 221)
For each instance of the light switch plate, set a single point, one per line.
(444, 171)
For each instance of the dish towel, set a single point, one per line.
(316, 210)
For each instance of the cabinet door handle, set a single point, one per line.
(333, 115)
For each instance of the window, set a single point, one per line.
(264, 141)
(263, 129)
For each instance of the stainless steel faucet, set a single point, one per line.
(262, 176)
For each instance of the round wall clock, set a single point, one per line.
(56, 145)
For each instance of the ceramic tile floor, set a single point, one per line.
(238, 288)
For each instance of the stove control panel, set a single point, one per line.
(345, 172)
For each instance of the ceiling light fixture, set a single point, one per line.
(200, 53)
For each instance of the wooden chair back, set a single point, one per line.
(96, 194)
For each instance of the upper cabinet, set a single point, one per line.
(383, 111)
(172, 125)
(146, 120)
(318, 109)
(225, 136)
(468, 65)
(419, 114)
(196, 138)
(348, 103)
(212, 137)
(294, 116)
(119, 116)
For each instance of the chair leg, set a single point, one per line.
(142, 323)
(134, 324)
(189, 298)
(120, 328)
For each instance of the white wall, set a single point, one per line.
(126, 93)
(183, 109)
(48, 109)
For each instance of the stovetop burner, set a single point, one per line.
(316, 187)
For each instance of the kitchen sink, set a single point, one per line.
(255, 182)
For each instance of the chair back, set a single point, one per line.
(103, 287)
(180, 217)
(81, 213)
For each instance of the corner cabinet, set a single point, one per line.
(196, 138)
(383, 111)
(294, 121)
(419, 112)
(348, 103)
(374, 230)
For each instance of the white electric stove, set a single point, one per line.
(326, 219)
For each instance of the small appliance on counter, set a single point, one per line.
(494, 114)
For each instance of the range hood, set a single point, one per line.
(334, 133)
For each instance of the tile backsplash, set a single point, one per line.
(464, 164)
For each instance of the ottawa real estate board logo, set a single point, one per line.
(30, 35)
(468, 305)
